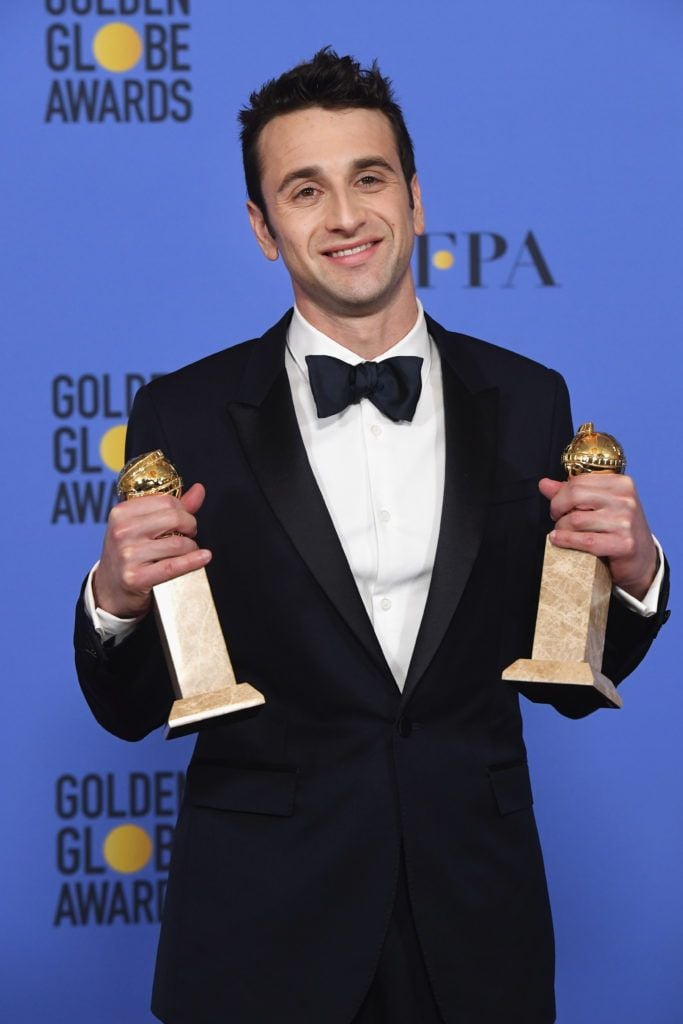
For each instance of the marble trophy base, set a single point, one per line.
(196, 655)
(570, 627)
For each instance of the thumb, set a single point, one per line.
(193, 499)
(549, 488)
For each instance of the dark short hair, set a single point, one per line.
(328, 81)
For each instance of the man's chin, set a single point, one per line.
(358, 302)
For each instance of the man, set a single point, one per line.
(362, 848)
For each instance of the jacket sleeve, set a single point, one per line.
(127, 686)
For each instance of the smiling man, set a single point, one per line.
(372, 493)
(343, 218)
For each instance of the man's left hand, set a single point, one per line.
(601, 513)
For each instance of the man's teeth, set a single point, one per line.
(350, 252)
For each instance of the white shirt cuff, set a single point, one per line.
(107, 626)
(648, 606)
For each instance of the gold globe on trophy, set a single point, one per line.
(592, 452)
(148, 474)
(569, 639)
(196, 654)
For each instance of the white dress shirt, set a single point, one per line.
(383, 484)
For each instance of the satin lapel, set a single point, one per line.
(471, 435)
(269, 433)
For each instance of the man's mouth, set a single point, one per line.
(353, 251)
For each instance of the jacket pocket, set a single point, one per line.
(511, 786)
(227, 787)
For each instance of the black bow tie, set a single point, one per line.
(392, 385)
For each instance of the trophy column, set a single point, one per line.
(574, 599)
(195, 650)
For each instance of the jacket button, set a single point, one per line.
(404, 727)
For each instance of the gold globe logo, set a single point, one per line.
(113, 446)
(127, 849)
(117, 47)
(443, 259)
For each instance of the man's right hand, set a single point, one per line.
(148, 541)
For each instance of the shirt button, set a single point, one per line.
(385, 604)
(375, 430)
(384, 515)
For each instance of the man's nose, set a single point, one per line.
(345, 211)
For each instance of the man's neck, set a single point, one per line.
(368, 336)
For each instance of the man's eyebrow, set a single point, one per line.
(365, 162)
(297, 175)
(361, 164)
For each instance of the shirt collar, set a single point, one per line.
(305, 340)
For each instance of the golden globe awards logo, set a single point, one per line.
(113, 846)
(118, 71)
(88, 442)
(481, 259)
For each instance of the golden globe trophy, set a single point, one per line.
(575, 591)
(196, 655)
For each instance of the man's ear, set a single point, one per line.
(418, 211)
(260, 228)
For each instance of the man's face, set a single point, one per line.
(339, 209)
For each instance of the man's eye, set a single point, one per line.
(369, 179)
(306, 193)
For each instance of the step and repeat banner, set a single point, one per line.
(549, 147)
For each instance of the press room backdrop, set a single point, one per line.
(549, 146)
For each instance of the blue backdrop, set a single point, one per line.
(549, 140)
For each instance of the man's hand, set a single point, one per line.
(148, 541)
(601, 513)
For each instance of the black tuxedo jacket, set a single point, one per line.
(288, 842)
